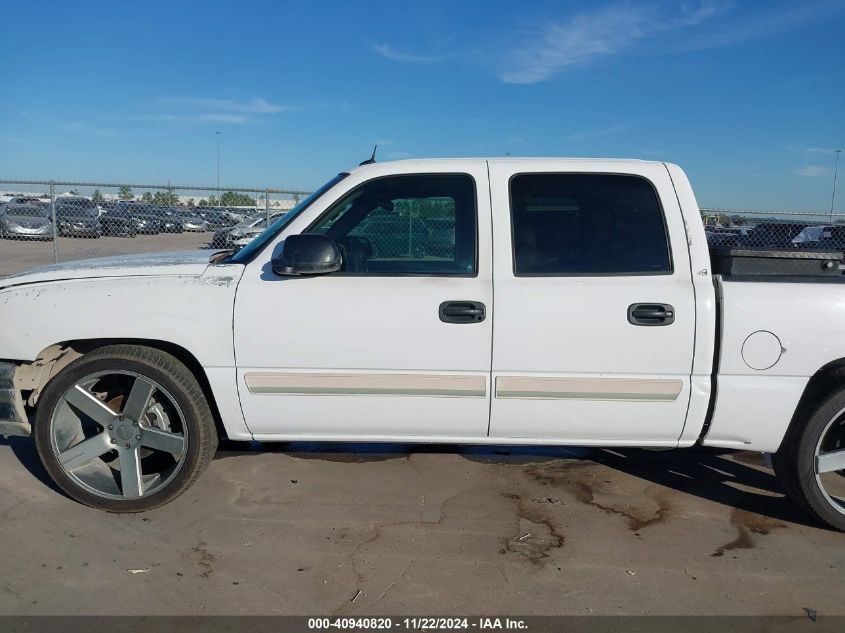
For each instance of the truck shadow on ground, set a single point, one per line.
(735, 479)
(738, 480)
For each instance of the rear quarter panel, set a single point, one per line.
(755, 406)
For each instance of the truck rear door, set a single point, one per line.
(595, 312)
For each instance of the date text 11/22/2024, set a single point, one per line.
(418, 623)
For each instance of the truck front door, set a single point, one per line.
(397, 344)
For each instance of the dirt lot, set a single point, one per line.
(19, 255)
(304, 529)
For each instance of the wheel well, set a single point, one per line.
(821, 383)
(56, 357)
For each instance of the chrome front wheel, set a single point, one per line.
(119, 435)
(124, 428)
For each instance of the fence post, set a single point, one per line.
(267, 205)
(55, 224)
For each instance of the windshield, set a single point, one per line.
(257, 245)
(29, 210)
(75, 210)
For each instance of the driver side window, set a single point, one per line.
(419, 224)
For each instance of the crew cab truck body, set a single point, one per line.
(563, 301)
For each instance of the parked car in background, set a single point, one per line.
(170, 221)
(77, 217)
(242, 233)
(724, 236)
(191, 221)
(392, 235)
(772, 234)
(142, 216)
(28, 200)
(214, 218)
(441, 237)
(235, 215)
(118, 224)
(25, 221)
(833, 239)
(821, 237)
(247, 235)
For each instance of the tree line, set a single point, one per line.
(168, 198)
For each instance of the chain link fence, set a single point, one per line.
(748, 242)
(45, 222)
(808, 230)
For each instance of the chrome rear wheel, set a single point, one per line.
(810, 463)
(830, 462)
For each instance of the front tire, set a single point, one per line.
(124, 428)
(810, 463)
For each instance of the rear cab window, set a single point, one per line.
(574, 224)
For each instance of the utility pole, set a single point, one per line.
(835, 172)
(218, 169)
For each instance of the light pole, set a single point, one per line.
(835, 172)
(218, 167)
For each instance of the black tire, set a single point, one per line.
(795, 461)
(167, 371)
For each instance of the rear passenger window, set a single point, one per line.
(587, 224)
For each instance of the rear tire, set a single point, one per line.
(806, 463)
(91, 401)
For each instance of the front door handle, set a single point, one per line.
(462, 312)
(651, 314)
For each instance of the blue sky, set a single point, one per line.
(748, 96)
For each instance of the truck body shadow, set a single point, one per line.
(737, 480)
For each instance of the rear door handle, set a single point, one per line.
(462, 312)
(651, 314)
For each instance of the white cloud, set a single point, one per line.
(812, 171)
(765, 23)
(223, 117)
(212, 117)
(254, 106)
(225, 111)
(76, 126)
(390, 53)
(598, 33)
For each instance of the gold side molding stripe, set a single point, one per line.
(444, 385)
(658, 389)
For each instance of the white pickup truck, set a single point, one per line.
(505, 301)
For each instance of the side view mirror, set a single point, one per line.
(307, 254)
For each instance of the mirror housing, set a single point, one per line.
(307, 254)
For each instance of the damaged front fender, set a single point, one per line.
(13, 418)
